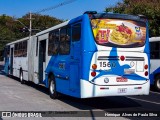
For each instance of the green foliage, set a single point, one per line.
(10, 27)
(40, 22)
(149, 8)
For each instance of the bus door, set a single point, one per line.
(75, 57)
(6, 59)
(11, 62)
(42, 60)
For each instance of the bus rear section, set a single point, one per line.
(117, 74)
(120, 65)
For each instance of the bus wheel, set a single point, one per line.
(157, 83)
(21, 78)
(52, 88)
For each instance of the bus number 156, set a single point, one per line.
(107, 64)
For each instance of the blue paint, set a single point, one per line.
(88, 43)
(73, 68)
(88, 47)
(147, 47)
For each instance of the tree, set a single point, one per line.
(149, 8)
(11, 30)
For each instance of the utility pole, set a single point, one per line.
(30, 24)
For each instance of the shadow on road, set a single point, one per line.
(89, 103)
(118, 103)
(101, 102)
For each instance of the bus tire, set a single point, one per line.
(157, 83)
(21, 78)
(52, 88)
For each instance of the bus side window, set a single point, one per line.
(65, 41)
(53, 44)
(20, 49)
(8, 51)
(14, 50)
(25, 48)
(5, 53)
(76, 32)
(154, 50)
(56, 42)
(17, 49)
(50, 43)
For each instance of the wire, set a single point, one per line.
(56, 6)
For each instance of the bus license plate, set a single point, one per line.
(122, 90)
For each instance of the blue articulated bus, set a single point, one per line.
(93, 55)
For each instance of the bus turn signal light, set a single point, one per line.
(146, 73)
(93, 74)
(94, 66)
(122, 58)
(146, 67)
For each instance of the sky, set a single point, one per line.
(18, 8)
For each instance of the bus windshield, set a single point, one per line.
(118, 32)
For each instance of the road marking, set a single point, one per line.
(144, 100)
(155, 92)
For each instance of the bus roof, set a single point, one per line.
(120, 16)
(60, 25)
(153, 39)
(26, 38)
(95, 15)
(52, 28)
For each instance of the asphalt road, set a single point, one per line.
(30, 97)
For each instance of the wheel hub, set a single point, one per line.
(21, 77)
(158, 83)
(52, 87)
